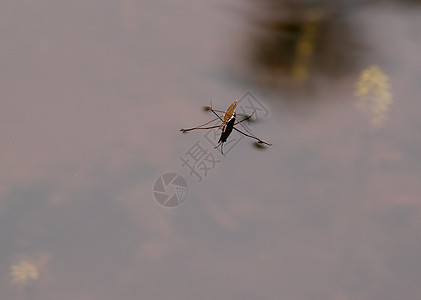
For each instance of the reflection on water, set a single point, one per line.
(23, 273)
(295, 42)
(374, 97)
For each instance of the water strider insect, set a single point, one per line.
(229, 120)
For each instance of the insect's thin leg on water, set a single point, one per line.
(245, 119)
(217, 110)
(200, 126)
(219, 117)
(246, 116)
(220, 144)
(250, 134)
(189, 129)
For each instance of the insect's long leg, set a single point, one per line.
(220, 144)
(213, 120)
(201, 126)
(245, 119)
(210, 127)
(251, 135)
(218, 117)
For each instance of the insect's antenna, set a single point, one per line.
(250, 135)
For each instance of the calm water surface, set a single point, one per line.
(94, 94)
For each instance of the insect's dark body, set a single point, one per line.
(226, 132)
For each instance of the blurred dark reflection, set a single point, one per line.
(294, 43)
